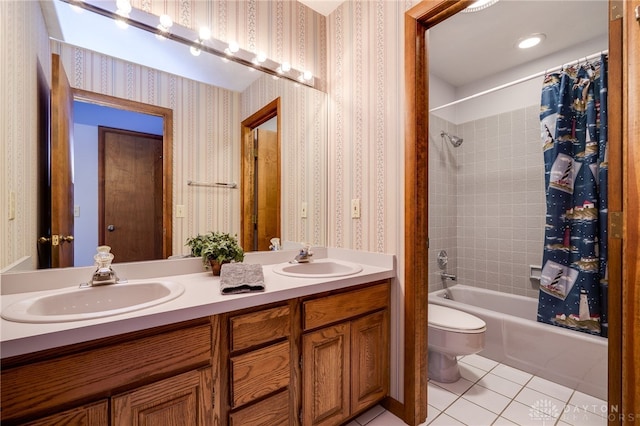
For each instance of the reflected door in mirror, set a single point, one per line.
(130, 199)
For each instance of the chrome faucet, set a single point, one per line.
(104, 274)
(445, 276)
(304, 255)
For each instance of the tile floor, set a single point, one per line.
(490, 393)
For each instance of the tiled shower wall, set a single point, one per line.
(491, 221)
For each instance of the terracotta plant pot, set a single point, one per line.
(215, 267)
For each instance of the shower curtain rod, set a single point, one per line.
(520, 80)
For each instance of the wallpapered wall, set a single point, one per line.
(357, 49)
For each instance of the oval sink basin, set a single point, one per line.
(77, 304)
(321, 268)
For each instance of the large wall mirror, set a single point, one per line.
(208, 97)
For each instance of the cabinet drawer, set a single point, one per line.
(255, 328)
(340, 307)
(273, 411)
(259, 373)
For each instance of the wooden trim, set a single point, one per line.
(264, 114)
(167, 152)
(615, 205)
(631, 234)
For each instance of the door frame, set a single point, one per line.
(624, 394)
(264, 114)
(167, 152)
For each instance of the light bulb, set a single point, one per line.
(123, 6)
(166, 22)
(286, 67)
(205, 33)
(233, 47)
(261, 57)
(195, 51)
(307, 75)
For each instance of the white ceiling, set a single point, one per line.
(472, 46)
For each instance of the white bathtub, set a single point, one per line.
(514, 337)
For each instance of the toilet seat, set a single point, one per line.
(448, 319)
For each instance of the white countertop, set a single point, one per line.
(201, 298)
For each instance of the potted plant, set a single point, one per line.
(216, 248)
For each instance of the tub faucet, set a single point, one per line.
(452, 277)
(304, 255)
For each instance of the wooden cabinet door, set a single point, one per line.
(369, 360)
(325, 375)
(185, 399)
(96, 414)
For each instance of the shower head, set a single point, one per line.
(453, 140)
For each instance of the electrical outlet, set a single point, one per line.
(303, 210)
(355, 208)
(180, 210)
(76, 211)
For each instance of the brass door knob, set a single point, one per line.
(68, 238)
(111, 228)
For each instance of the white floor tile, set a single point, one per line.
(501, 385)
(444, 420)
(458, 387)
(540, 402)
(523, 415)
(386, 419)
(547, 387)
(471, 414)
(486, 398)
(501, 421)
(512, 374)
(589, 403)
(471, 373)
(369, 415)
(480, 362)
(432, 413)
(438, 397)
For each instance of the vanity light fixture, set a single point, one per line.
(479, 5)
(163, 26)
(530, 40)
(123, 9)
(233, 48)
(195, 50)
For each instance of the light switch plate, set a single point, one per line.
(180, 210)
(303, 210)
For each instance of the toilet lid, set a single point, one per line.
(453, 319)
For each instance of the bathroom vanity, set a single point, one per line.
(310, 351)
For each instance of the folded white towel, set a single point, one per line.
(241, 278)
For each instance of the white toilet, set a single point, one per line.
(452, 333)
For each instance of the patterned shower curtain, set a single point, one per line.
(573, 120)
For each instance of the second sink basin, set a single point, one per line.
(319, 268)
(77, 304)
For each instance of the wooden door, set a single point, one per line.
(326, 373)
(177, 401)
(369, 360)
(130, 199)
(61, 237)
(267, 188)
(96, 414)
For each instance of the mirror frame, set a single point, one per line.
(167, 152)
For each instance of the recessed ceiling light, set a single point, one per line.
(530, 41)
(479, 5)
